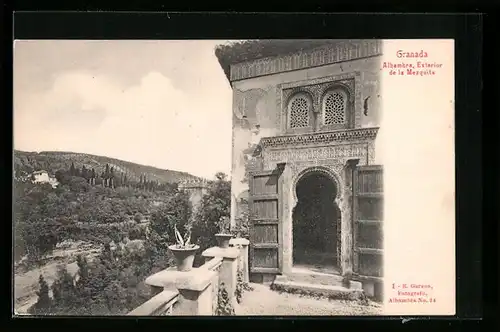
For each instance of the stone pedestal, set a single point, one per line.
(242, 245)
(228, 270)
(195, 296)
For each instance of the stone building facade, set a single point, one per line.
(303, 109)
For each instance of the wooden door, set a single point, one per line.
(265, 227)
(368, 221)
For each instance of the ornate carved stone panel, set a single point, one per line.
(328, 153)
(316, 88)
(317, 91)
(315, 156)
(315, 139)
(333, 170)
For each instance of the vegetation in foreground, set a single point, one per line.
(78, 210)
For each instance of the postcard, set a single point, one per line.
(234, 177)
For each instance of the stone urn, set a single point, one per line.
(223, 239)
(184, 256)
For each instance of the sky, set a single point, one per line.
(159, 103)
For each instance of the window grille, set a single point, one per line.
(299, 112)
(334, 108)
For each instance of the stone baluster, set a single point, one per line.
(228, 270)
(242, 245)
(195, 293)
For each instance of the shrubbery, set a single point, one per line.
(215, 204)
(44, 215)
(224, 305)
(113, 282)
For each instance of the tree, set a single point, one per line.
(176, 211)
(43, 292)
(138, 217)
(66, 297)
(44, 303)
(72, 169)
(215, 204)
(61, 176)
(77, 172)
(112, 177)
(37, 213)
(85, 173)
(220, 176)
(83, 268)
(78, 184)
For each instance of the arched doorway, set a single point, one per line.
(316, 224)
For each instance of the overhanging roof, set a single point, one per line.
(237, 52)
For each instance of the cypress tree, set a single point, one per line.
(44, 302)
(112, 177)
(84, 172)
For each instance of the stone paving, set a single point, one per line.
(263, 301)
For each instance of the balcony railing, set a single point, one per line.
(159, 305)
(195, 292)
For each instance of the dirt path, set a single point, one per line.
(26, 284)
(263, 301)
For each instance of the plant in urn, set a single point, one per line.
(224, 234)
(184, 251)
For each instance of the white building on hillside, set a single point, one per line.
(44, 177)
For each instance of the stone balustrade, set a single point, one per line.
(242, 245)
(195, 292)
(159, 305)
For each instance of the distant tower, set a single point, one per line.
(196, 189)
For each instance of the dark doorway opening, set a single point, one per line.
(316, 224)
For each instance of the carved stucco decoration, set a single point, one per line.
(317, 155)
(339, 52)
(321, 138)
(338, 172)
(331, 160)
(316, 91)
(316, 88)
(333, 171)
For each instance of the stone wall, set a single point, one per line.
(195, 292)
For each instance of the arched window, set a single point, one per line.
(334, 108)
(299, 112)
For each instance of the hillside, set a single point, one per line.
(52, 161)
